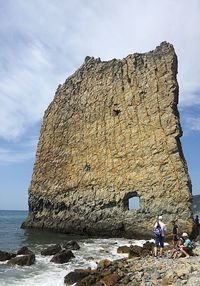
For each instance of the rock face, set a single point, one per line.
(112, 133)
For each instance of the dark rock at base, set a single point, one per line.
(4, 255)
(62, 257)
(25, 260)
(71, 245)
(51, 250)
(76, 275)
(24, 251)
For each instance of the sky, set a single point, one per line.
(42, 42)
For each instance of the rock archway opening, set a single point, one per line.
(132, 201)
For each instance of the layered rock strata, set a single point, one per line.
(112, 133)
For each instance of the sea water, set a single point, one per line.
(44, 272)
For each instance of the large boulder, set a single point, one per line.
(76, 275)
(4, 255)
(24, 260)
(123, 249)
(135, 251)
(62, 256)
(24, 251)
(71, 245)
(51, 250)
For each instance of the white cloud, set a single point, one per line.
(192, 123)
(45, 41)
(17, 152)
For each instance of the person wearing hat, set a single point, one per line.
(159, 238)
(186, 248)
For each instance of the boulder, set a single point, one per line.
(110, 279)
(89, 280)
(123, 249)
(4, 255)
(135, 251)
(104, 264)
(76, 275)
(24, 251)
(71, 245)
(51, 250)
(62, 256)
(147, 248)
(24, 260)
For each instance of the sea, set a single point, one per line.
(44, 272)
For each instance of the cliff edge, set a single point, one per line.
(112, 133)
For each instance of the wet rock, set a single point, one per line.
(104, 263)
(135, 251)
(51, 250)
(147, 246)
(24, 251)
(62, 256)
(4, 255)
(71, 245)
(76, 275)
(123, 249)
(24, 260)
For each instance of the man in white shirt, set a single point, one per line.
(160, 230)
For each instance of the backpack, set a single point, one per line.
(157, 231)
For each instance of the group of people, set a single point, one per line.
(181, 244)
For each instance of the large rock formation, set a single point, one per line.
(111, 133)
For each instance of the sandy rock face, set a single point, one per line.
(111, 133)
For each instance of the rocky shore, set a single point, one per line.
(138, 267)
(143, 271)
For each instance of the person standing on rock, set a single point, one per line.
(159, 231)
(174, 233)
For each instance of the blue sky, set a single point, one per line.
(42, 42)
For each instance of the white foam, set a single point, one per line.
(46, 273)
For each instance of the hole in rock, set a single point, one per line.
(132, 201)
(116, 112)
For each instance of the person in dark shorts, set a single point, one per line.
(174, 233)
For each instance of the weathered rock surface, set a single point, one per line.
(76, 275)
(62, 256)
(144, 271)
(4, 255)
(51, 250)
(71, 245)
(23, 260)
(24, 251)
(111, 133)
